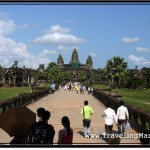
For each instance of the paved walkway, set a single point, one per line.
(68, 103)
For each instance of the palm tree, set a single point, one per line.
(116, 70)
(15, 64)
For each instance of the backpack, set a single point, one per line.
(41, 134)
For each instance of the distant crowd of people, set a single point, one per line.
(77, 86)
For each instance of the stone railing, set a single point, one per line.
(23, 99)
(139, 119)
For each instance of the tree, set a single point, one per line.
(15, 64)
(116, 71)
(53, 72)
(82, 76)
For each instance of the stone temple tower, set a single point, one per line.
(60, 61)
(89, 62)
(74, 58)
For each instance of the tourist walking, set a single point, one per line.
(86, 111)
(41, 132)
(89, 90)
(65, 87)
(83, 89)
(77, 88)
(65, 135)
(123, 117)
(60, 87)
(110, 117)
(52, 87)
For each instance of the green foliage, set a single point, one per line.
(55, 75)
(15, 64)
(82, 76)
(116, 71)
(146, 74)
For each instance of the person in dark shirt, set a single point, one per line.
(41, 132)
(39, 112)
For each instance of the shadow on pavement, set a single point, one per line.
(111, 139)
(81, 133)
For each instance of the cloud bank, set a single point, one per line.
(58, 35)
(139, 60)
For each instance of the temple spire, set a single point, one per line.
(74, 58)
(60, 60)
(89, 61)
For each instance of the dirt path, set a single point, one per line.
(66, 103)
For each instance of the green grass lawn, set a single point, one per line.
(13, 91)
(140, 99)
(97, 86)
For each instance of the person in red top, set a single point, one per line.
(65, 135)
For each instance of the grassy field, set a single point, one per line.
(140, 99)
(100, 86)
(13, 91)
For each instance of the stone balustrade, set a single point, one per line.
(23, 99)
(138, 118)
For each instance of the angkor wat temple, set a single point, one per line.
(75, 66)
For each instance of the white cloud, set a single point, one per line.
(63, 49)
(46, 53)
(58, 28)
(139, 60)
(130, 40)
(93, 54)
(6, 26)
(143, 49)
(59, 35)
(11, 51)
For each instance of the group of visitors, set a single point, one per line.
(109, 114)
(77, 86)
(41, 132)
(120, 118)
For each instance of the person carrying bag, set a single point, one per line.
(86, 111)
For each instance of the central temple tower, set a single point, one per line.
(74, 62)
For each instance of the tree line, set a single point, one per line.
(116, 74)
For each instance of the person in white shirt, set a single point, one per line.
(110, 117)
(123, 117)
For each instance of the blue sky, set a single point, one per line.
(37, 34)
